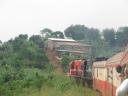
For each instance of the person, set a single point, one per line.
(122, 90)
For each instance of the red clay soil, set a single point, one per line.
(52, 56)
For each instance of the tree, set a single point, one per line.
(93, 34)
(58, 34)
(76, 32)
(0, 42)
(18, 41)
(37, 40)
(6, 50)
(46, 33)
(122, 36)
(22, 37)
(20, 58)
(65, 62)
(109, 36)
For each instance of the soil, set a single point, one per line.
(53, 57)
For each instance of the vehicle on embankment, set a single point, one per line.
(108, 74)
(104, 75)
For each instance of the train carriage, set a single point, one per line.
(81, 71)
(108, 75)
(99, 76)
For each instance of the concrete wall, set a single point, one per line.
(68, 46)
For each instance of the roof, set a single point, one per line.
(58, 39)
(118, 59)
(73, 43)
(99, 64)
(67, 43)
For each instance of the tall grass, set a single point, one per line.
(57, 85)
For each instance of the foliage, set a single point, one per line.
(66, 59)
(60, 86)
(37, 40)
(122, 36)
(93, 35)
(65, 62)
(76, 32)
(13, 82)
(21, 62)
(109, 36)
(104, 43)
(46, 33)
(57, 34)
(24, 65)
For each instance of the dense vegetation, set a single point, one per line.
(25, 68)
(21, 61)
(59, 85)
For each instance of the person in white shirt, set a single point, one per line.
(122, 90)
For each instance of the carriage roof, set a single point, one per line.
(99, 64)
(120, 58)
(115, 60)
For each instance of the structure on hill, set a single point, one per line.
(67, 45)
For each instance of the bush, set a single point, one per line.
(65, 62)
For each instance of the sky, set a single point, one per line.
(30, 16)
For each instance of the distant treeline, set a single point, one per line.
(104, 43)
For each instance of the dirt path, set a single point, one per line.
(55, 61)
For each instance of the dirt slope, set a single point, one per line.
(54, 60)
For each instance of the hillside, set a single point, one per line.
(26, 70)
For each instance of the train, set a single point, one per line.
(103, 74)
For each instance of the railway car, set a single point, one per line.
(99, 74)
(81, 71)
(108, 74)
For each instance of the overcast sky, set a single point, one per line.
(30, 16)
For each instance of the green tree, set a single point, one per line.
(65, 62)
(6, 50)
(122, 36)
(76, 32)
(46, 33)
(57, 34)
(93, 34)
(109, 36)
(18, 41)
(0, 42)
(20, 58)
(37, 40)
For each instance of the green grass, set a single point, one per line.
(58, 85)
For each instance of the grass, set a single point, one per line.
(58, 85)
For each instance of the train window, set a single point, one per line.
(97, 72)
(119, 69)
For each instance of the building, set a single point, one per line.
(68, 45)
